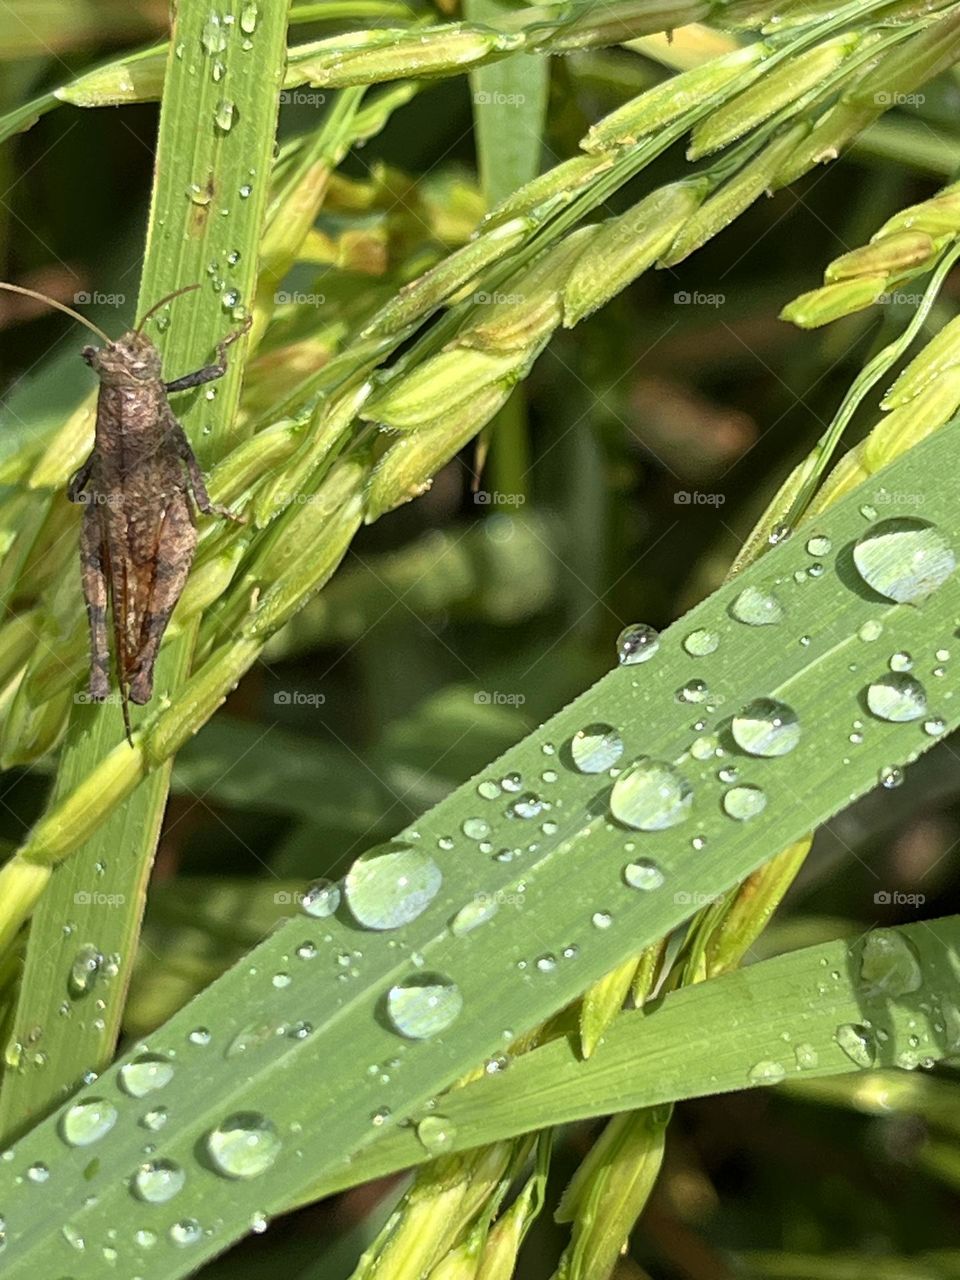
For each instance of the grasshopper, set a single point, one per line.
(139, 488)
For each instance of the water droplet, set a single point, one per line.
(526, 806)
(897, 697)
(693, 691)
(477, 911)
(155, 1118)
(744, 802)
(245, 191)
(84, 971)
(87, 1121)
(596, 748)
(424, 1005)
(436, 1134)
(871, 630)
(145, 1074)
(391, 885)
(934, 726)
(651, 795)
(904, 559)
(704, 748)
(637, 643)
(766, 1072)
(223, 115)
(601, 919)
(157, 1181)
(891, 776)
(200, 1036)
(186, 1232)
(901, 661)
(889, 965)
(766, 728)
(819, 545)
(643, 874)
(475, 828)
(488, 789)
(858, 1043)
(248, 19)
(213, 37)
(699, 643)
(321, 899)
(244, 1145)
(757, 608)
(806, 1056)
(38, 1173)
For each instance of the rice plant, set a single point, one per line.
(534, 858)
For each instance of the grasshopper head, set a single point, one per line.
(131, 360)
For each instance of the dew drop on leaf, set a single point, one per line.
(637, 643)
(477, 911)
(857, 1042)
(436, 1134)
(766, 728)
(596, 748)
(145, 1074)
(186, 1232)
(699, 643)
(904, 559)
(767, 1071)
(889, 965)
(243, 1145)
(423, 1005)
(321, 899)
(158, 1181)
(87, 1121)
(819, 545)
(84, 971)
(391, 885)
(651, 795)
(757, 608)
(744, 802)
(643, 874)
(897, 697)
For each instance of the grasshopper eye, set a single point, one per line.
(89, 354)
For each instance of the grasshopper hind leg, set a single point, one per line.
(94, 581)
(175, 546)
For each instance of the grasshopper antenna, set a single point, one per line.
(187, 288)
(60, 306)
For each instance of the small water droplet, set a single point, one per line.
(596, 748)
(699, 643)
(145, 1074)
(488, 789)
(766, 1072)
(186, 1232)
(889, 965)
(436, 1134)
(637, 643)
(476, 912)
(38, 1173)
(904, 559)
(891, 776)
(526, 806)
(391, 885)
(744, 802)
(901, 661)
(321, 899)
(84, 971)
(423, 1005)
(601, 919)
(643, 874)
(806, 1056)
(243, 1145)
(934, 726)
(819, 545)
(200, 1036)
(695, 691)
(224, 114)
(757, 608)
(651, 795)
(248, 18)
(858, 1043)
(704, 748)
(897, 697)
(871, 630)
(475, 828)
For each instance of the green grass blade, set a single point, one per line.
(298, 1035)
(208, 206)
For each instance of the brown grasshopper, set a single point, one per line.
(138, 486)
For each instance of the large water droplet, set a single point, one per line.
(87, 1121)
(145, 1074)
(889, 964)
(596, 748)
(897, 697)
(904, 559)
(858, 1043)
(424, 1005)
(391, 885)
(244, 1145)
(766, 728)
(158, 1181)
(757, 608)
(637, 643)
(651, 795)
